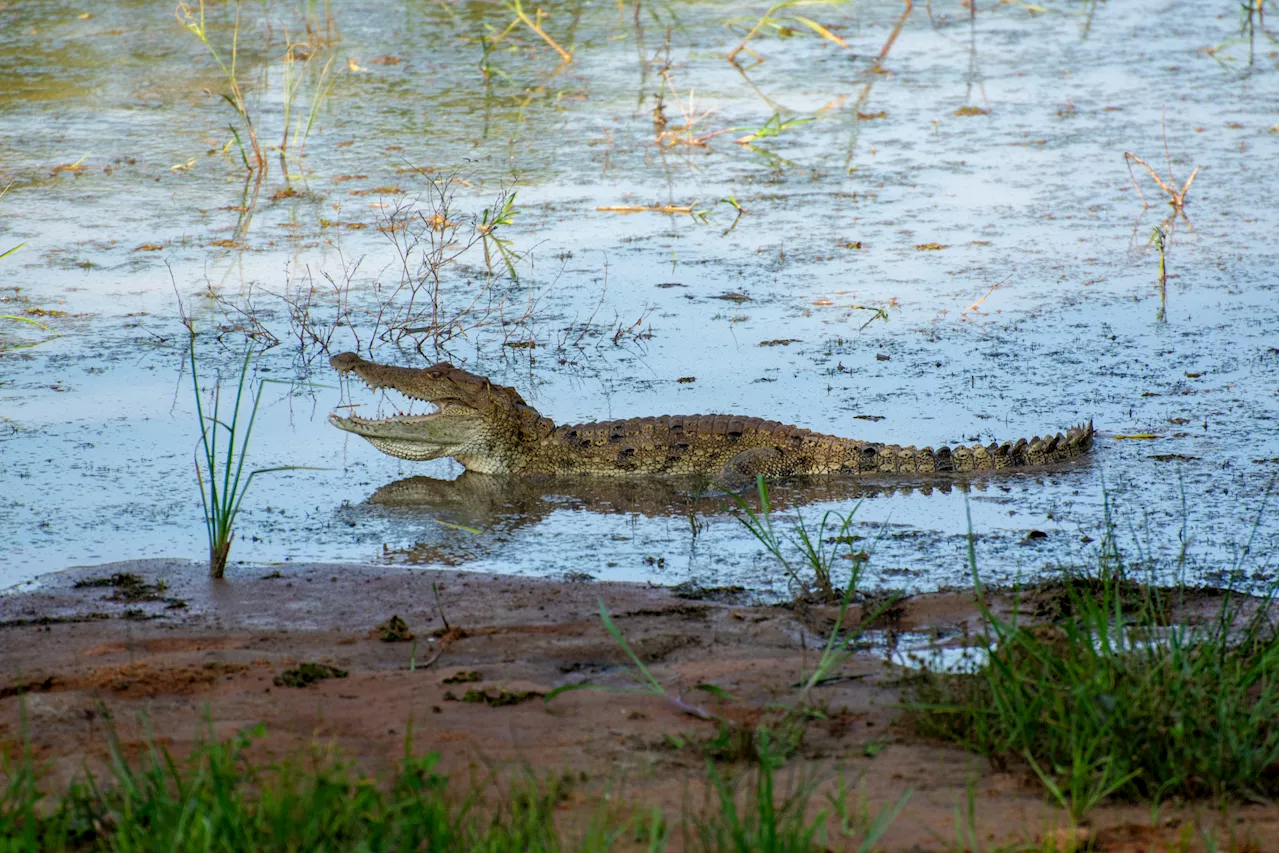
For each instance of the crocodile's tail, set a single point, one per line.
(1023, 453)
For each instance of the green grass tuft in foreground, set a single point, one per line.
(218, 799)
(1114, 699)
(222, 798)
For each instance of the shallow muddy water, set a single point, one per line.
(1004, 246)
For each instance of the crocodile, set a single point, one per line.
(490, 429)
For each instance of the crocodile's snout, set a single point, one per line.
(345, 362)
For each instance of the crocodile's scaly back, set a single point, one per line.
(491, 429)
(1023, 453)
(734, 446)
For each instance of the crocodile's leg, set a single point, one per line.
(742, 468)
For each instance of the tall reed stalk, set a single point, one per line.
(222, 480)
(298, 125)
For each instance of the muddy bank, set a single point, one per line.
(165, 653)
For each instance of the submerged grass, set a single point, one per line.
(221, 797)
(298, 125)
(534, 24)
(6, 253)
(193, 20)
(1115, 698)
(17, 318)
(781, 19)
(297, 64)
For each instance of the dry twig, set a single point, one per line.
(1177, 198)
(974, 306)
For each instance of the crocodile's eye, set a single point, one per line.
(434, 374)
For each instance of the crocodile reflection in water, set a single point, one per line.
(504, 505)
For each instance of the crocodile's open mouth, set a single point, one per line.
(428, 435)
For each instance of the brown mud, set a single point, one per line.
(471, 689)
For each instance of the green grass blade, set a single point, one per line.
(243, 490)
(473, 530)
(231, 487)
(647, 677)
(24, 320)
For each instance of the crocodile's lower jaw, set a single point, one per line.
(414, 437)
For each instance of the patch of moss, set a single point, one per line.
(496, 697)
(130, 588)
(394, 630)
(693, 591)
(462, 677)
(693, 611)
(21, 687)
(45, 621)
(137, 614)
(307, 673)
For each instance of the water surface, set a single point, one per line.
(905, 270)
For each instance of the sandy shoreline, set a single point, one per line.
(165, 669)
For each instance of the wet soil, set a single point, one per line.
(472, 690)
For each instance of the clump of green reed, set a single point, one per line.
(769, 737)
(297, 71)
(813, 549)
(222, 479)
(1159, 239)
(297, 124)
(194, 22)
(778, 736)
(534, 24)
(1116, 699)
(220, 798)
(502, 214)
(765, 822)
